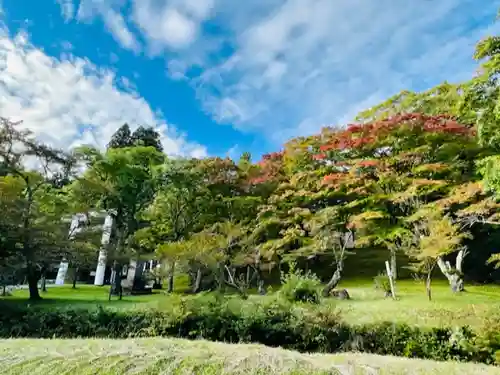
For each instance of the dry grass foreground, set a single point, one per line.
(175, 356)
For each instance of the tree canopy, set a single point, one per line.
(416, 178)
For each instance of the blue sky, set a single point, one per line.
(219, 77)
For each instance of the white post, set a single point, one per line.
(131, 272)
(391, 280)
(61, 272)
(103, 252)
(74, 228)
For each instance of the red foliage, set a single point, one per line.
(259, 180)
(319, 156)
(273, 156)
(270, 167)
(369, 163)
(355, 128)
(359, 136)
(333, 178)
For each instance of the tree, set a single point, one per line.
(142, 136)
(10, 272)
(434, 237)
(122, 181)
(121, 138)
(331, 234)
(146, 137)
(35, 229)
(179, 209)
(83, 245)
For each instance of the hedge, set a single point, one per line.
(273, 323)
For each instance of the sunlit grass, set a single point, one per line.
(175, 356)
(367, 305)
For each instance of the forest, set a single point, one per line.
(416, 181)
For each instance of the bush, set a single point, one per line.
(381, 282)
(298, 286)
(269, 321)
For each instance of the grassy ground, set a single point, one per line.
(174, 356)
(367, 305)
(83, 296)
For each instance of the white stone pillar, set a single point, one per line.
(61, 272)
(75, 227)
(131, 273)
(103, 253)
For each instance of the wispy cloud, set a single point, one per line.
(67, 9)
(118, 28)
(288, 67)
(310, 63)
(173, 24)
(68, 102)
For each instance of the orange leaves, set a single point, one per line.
(319, 157)
(270, 168)
(357, 136)
(369, 163)
(333, 178)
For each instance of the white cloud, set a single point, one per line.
(165, 25)
(171, 24)
(113, 20)
(306, 63)
(118, 28)
(71, 102)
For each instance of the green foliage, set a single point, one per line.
(273, 322)
(381, 282)
(299, 286)
(143, 137)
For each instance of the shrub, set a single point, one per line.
(381, 282)
(298, 286)
(271, 321)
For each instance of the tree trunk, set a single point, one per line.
(258, 273)
(118, 280)
(221, 277)
(44, 283)
(33, 284)
(113, 288)
(197, 283)
(394, 265)
(260, 287)
(4, 290)
(428, 286)
(170, 288)
(334, 281)
(248, 276)
(454, 275)
(75, 277)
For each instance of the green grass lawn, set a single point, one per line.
(84, 296)
(367, 305)
(175, 356)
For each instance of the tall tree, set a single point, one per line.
(146, 137)
(35, 227)
(142, 136)
(121, 138)
(123, 181)
(180, 209)
(434, 237)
